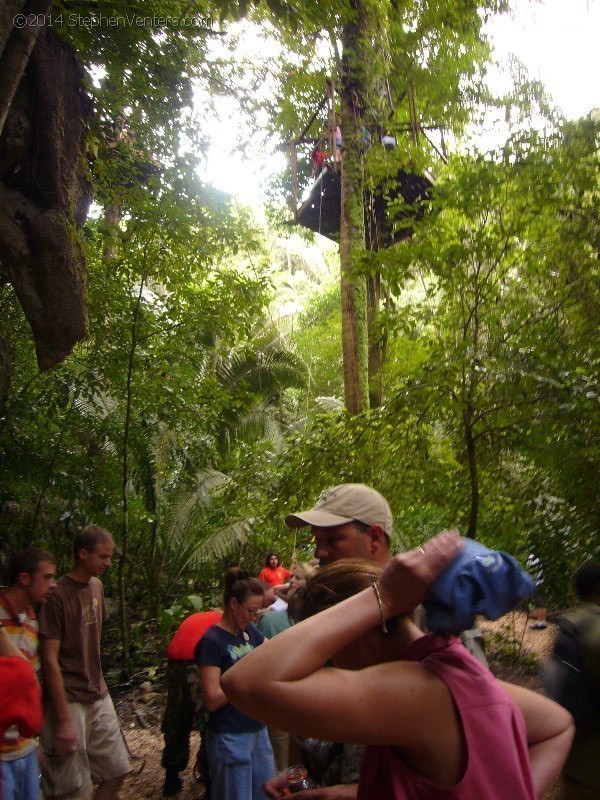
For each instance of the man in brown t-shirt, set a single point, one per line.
(82, 737)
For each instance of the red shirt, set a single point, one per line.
(21, 697)
(318, 159)
(274, 577)
(189, 633)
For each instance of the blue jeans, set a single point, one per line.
(21, 778)
(239, 764)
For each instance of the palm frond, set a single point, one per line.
(260, 422)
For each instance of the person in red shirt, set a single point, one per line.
(20, 712)
(21, 697)
(318, 156)
(31, 577)
(274, 574)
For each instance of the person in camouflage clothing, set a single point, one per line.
(184, 711)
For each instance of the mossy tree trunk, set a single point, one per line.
(473, 472)
(123, 562)
(355, 344)
(377, 342)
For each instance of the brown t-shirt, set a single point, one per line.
(74, 614)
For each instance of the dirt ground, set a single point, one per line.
(141, 727)
(141, 710)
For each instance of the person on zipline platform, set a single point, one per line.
(318, 156)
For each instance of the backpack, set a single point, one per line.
(564, 676)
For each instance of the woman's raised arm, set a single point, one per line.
(282, 682)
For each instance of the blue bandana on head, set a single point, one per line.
(479, 581)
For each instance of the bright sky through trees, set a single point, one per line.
(557, 40)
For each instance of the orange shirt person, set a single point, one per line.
(274, 574)
(318, 156)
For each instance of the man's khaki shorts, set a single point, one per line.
(100, 755)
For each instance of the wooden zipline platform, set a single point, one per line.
(321, 211)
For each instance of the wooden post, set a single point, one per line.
(333, 153)
(412, 113)
(330, 122)
(293, 166)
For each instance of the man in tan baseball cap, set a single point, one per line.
(351, 520)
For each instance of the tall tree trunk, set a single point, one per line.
(376, 342)
(473, 474)
(113, 208)
(355, 347)
(18, 46)
(124, 622)
(113, 213)
(157, 561)
(6, 371)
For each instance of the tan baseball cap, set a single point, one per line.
(346, 503)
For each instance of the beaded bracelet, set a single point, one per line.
(378, 596)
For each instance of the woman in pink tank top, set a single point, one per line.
(437, 725)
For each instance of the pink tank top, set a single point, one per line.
(494, 728)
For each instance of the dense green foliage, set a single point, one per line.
(491, 412)
(207, 400)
